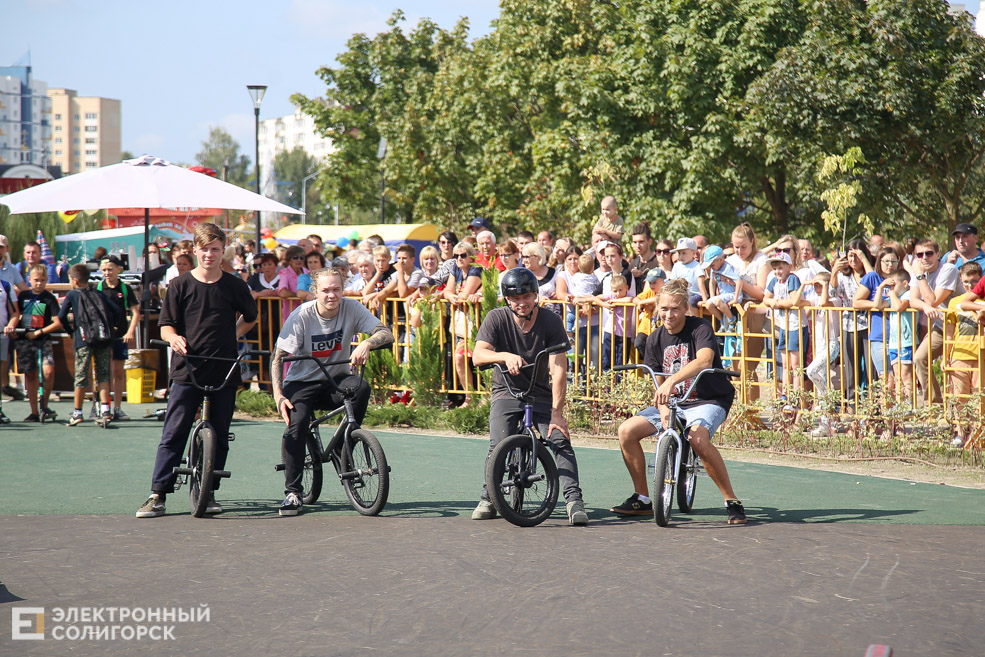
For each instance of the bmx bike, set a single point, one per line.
(675, 463)
(355, 452)
(523, 494)
(197, 469)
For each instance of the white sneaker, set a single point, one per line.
(823, 429)
(484, 511)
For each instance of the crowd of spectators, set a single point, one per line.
(874, 310)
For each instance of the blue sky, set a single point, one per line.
(180, 67)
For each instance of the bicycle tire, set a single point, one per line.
(312, 475)
(663, 483)
(202, 462)
(687, 479)
(367, 492)
(521, 502)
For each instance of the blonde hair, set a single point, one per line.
(536, 250)
(618, 280)
(382, 250)
(464, 246)
(430, 251)
(586, 263)
(678, 287)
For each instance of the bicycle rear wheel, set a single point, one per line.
(366, 476)
(663, 480)
(522, 493)
(687, 478)
(311, 478)
(201, 460)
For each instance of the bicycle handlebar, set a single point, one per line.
(653, 375)
(232, 368)
(533, 368)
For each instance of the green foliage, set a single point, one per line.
(841, 171)
(256, 403)
(469, 419)
(687, 113)
(218, 150)
(292, 167)
(490, 292)
(382, 372)
(425, 367)
(22, 228)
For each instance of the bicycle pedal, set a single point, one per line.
(280, 467)
(232, 437)
(222, 474)
(182, 471)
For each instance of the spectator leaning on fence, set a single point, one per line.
(899, 331)
(645, 259)
(866, 300)
(931, 288)
(365, 271)
(846, 275)
(966, 247)
(826, 333)
(965, 362)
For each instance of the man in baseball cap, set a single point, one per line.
(479, 224)
(966, 247)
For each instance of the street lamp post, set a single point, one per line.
(381, 153)
(304, 196)
(256, 93)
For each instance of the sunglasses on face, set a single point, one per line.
(924, 254)
(297, 257)
(461, 255)
(662, 251)
(786, 250)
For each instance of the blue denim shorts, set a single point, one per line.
(787, 340)
(903, 356)
(709, 416)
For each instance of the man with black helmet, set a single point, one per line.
(512, 336)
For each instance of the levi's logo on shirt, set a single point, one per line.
(324, 345)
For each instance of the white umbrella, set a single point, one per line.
(143, 182)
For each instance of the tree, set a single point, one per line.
(220, 150)
(290, 170)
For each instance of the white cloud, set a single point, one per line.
(332, 19)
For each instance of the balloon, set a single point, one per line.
(270, 243)
(354, 236)
(342, 242)
(68, 215)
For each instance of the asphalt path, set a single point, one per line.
(828, 564)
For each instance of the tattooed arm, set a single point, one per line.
(380, 337)
(283, 404)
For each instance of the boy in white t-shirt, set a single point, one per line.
(783, 295)
(688, 268)
(583, 284)
(724, 287)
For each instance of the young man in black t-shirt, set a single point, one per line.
(682, 346)
(199, 317)
(513, 336)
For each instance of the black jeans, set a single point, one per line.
(183, 404)
(306, 397)
(505, 418)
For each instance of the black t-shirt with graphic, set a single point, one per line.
(670, 352)
(37, 310)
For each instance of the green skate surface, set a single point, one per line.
(56, 469)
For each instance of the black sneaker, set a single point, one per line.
(4, 419)
(633, 507)
(291, 505)
(50, 415)
(14, 393)
(33, 417)
(736, 514)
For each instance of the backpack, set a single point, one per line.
(123, 324)
(93, 320)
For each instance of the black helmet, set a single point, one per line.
(517, 281)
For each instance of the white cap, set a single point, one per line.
(686, 243)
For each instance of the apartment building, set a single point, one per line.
(25, 113)
(282, 135)
(85, 131)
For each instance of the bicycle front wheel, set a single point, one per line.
(311, 477)
(663, 480)
(201, 459)
(366, 476)
(687, 478)
(523, 493)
